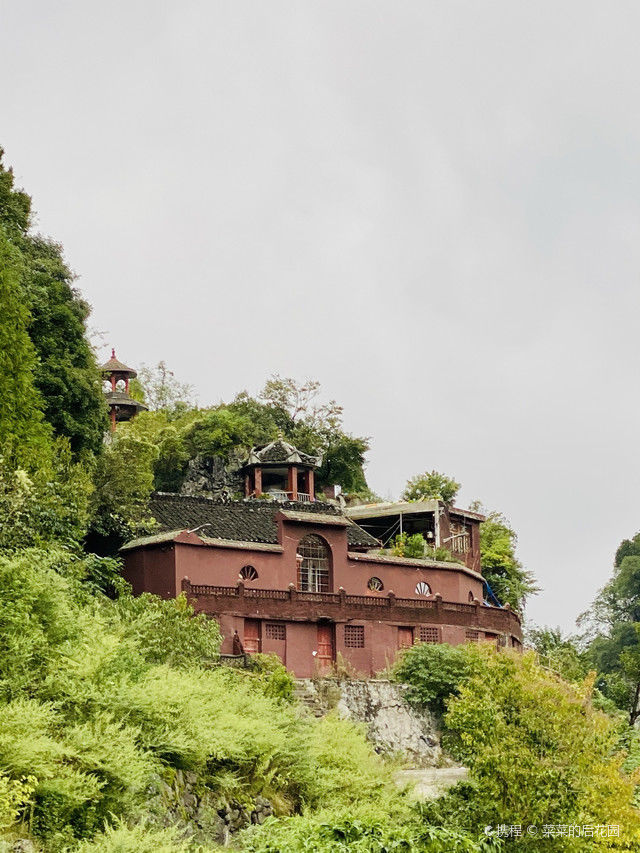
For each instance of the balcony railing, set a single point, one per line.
(296, 604)
(281, 495)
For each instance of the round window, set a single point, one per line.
(375, 585)
(423, 588)
(248, 573)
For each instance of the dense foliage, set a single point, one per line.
(59, 360)
(613, 631)
(537, 749)
(503, 571)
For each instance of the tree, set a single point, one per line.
(123, 485)
(431, 486)
(557, 652)
(23, 434)
(158, 389)
(300, 402)
(504, 573)
(537, 750)
(62, 361)
(612, 628)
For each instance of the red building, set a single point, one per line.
(301, 579)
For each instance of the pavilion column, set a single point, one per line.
(247, 485)
(309, 485)
(293, 483)
(112, 418)
(257, 473)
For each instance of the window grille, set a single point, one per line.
(275, 631)
(248, 573)
(429, 635)
(354, 636)
(423, 588)
(472, 636)
(313, 568)
(375, 585)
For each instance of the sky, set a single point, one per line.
(432, 208)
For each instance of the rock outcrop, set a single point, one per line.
(393, 726)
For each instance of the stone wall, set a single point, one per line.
(393, 726)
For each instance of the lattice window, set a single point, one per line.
(354, 636)
(471, 636)
(248, 573)
(460, 539)
(375, 585)
(429, 635)
(275, 631)
(314, 567)
(423, 588)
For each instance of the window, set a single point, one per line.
(471, 636)
(375, 585)
(428, 634)
(423, 588)
(313, 565)
(354, 636)
(275, 631)
(248, 573)
(471, 597)
(460, 539)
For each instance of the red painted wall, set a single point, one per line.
(204, 564)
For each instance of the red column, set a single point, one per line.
(310, 484)
(247, 485)
(293, 483)
(257, 474)
(112, 418)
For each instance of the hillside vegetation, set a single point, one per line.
(119, 730)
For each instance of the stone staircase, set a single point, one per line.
(305, 692)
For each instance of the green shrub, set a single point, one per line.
(136, 839)
(273, 677)
(364, 829)
(37, 616)
(345, 769)
(538, 753)
(434, 672)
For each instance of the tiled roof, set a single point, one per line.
(280, 451)
(120, 398)
(244, 521)
(115, 366)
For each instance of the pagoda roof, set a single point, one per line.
(120, 398)
(115, 366)
(280, 452)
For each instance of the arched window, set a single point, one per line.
(471, 597)
(375, 585)
(423, 588)
(314, 569)
(248, 573)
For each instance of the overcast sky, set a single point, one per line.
(432, 208)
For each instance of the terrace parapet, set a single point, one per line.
(293, 605)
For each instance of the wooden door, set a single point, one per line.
(405, 638)
(252, 636)
(325, 647)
